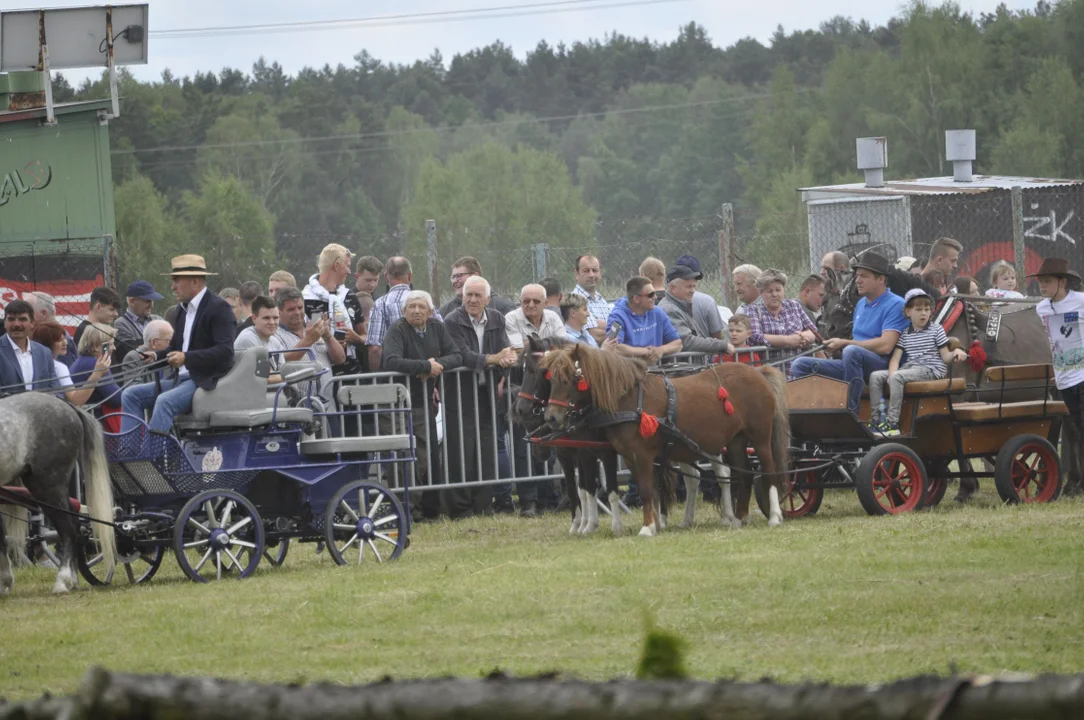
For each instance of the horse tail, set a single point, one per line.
(18, 533)
(780, 420)
(95, 468)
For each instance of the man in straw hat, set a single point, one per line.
(1061, 311)
(200, 352)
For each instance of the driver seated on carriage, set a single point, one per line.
(200, 353)
(878, 323)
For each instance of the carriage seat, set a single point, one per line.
(1038, 376)
(383, 397)
(952, 386)
(239, 400)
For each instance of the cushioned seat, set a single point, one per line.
(370, 444)
(978, 411)
(256, 418)
(956, 385)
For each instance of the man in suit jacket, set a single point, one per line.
(24, 364)
(200, 352)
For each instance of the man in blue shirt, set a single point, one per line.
(878, 322)
(643, 330)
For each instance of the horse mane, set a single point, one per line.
(609, 375)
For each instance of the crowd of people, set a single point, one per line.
(337, 317)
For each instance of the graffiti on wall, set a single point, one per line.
(35, 175)
(1046, 226)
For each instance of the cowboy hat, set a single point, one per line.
(873, 262)
(1057, 267)
(188, 265)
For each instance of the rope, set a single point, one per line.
(11, 498)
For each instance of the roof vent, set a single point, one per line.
(960, 150)
(873, 159)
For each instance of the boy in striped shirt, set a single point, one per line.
(927, 352)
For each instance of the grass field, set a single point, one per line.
(839, 597)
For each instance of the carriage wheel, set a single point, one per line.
(217, 533)
(795, 500)
(1028, 470)
(890, 480)
(135, 563)
(274, 553)
(936, 483)
(365, 515)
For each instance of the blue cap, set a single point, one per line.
(690, 262)
(143, 290)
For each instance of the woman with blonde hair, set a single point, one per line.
(95, 350)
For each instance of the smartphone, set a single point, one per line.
(614, 330)
(105, 348)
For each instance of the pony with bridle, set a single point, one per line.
(727, 407)
(45, 438)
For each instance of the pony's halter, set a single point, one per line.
(581, 387)
(528, 396)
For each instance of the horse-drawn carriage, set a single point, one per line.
(244, 474)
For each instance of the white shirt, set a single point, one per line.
(1063, 326)
(479, 330)
(189, 321)
(26, 362)
(519, 327)
(63, 374)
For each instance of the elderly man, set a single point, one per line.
(677, 303)
(420, 346)
(745, 287)
(532, 317)
(104, 308)
(836, 262)
(327, 295)
(24, 364)
(156, 336)
(588, 276)
(705, 311)
(389, 308)
(45, 311)
(878, 323)
(480, 335)
(129, 327)
(297, 335)
(640, 327)
(201, 350)
(462, 269)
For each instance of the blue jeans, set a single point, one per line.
(137, 399)
(857, 362)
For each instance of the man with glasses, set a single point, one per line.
(468, 267)
(642, 329)
(532, 317)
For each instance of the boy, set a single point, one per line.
(926, 347)
(1061, 312)
(738, 328)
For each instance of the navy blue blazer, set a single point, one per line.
(11, 374)
(210, 349)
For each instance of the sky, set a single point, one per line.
(725, 20)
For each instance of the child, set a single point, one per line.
(1003, 281)
(1061, 312)
(739, 329)
(926, 347)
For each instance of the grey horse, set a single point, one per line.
(44, 439)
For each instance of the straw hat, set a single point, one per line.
(188, 265)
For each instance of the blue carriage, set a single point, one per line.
(246, 473)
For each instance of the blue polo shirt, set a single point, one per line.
(652, 329)
(871, 319)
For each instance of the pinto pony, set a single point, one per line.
(725, 407)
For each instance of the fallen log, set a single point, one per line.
(130, 697)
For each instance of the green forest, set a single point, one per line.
(618, 143)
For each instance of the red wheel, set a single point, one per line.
(890, 480)
(796, 499)
(1028, 470)
(936, 483)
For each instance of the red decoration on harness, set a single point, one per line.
(648, 424)
(549, 374)
(581, 384)
(976, 356)
(724, 397)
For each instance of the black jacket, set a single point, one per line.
(210, 348)
(408, 352)
(494, 339)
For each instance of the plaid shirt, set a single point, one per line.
(597, 306)
(790, 320)
(386, 311)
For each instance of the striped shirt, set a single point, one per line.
(597, 306)
(922, 347)
(386, 312)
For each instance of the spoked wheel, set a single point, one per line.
(936, 483)
(1028, 470)
(362, 519)
(890, 480)
(135, 564)
(797, 499)
(218, 533)
(274, 553)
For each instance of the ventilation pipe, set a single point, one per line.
(873, 159)
(960, 150)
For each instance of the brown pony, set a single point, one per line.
(730, 406)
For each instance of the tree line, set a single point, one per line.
(259, 170)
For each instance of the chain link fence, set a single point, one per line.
(68, 270)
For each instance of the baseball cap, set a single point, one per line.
(690, 262)
(143, 290)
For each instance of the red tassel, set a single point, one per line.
(581, 384)
(728, 407)
(549, 374)
(724, 397)
(976, 357)
(723, 394)
(648, 425)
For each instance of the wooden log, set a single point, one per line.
(122, 697)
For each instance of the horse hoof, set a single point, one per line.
(647, 531)
(589, 529)
(733, 523)
(775, 522)
(61, 588)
